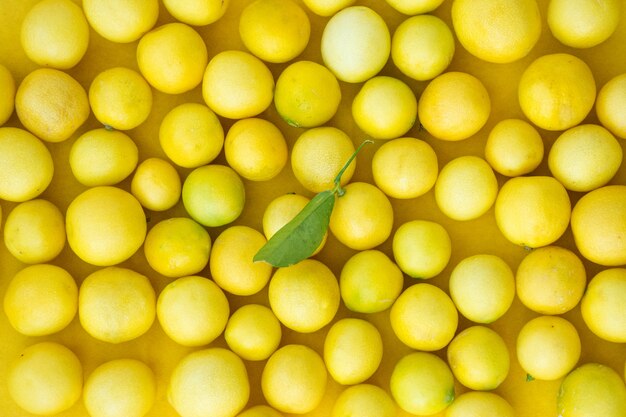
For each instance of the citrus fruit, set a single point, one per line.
(156, 184)
(480, 403)
(253, 332)
(611, 97)
(121, 21)
(414, 7)
(7, 98)
(327, 7)
(602, 307)
(421, 248)
(260, 411)
(583, 23)
(514, 147)
(197, 12)
(364, 400)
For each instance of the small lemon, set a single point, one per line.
(197, 12)
(253, 332)
(260, 411)
(583, 23)
(514, 147)
(414, 7)
(602, 305)
(421, 248)
(480, 403)
(7, 97)
(327, 7)
(364, 400)
(612, 96)
(156, 184)
(121, 21)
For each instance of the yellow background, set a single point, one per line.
(536, 398)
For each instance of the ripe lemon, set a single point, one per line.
(480, 403)
(422, 46)
(532, 211)
(583, 23)
(557, 91)
(121, 21)
(414, 7)
(46, 378)
(364, 400)
(253, 332)
(499, 31)
(156, 184)
(7, 97)
(514, 147)
(454, 106)
(482, 287)
(602, 305)
(197, 12)
(260, 411)
(307, 94)
(256, 149)
(192, 310)
(41, 299)
(612, 96)
(103, 157)
(327, 7)
(294, 379)
(362, 217)
(237, 85)
(51, 104)
(304, 296)
(355, 44)
(421, 248)
(120, 388)
(105, 225)
(424, 317)
(274, 30)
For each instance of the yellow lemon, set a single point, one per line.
(294, 379)
(177, 246)
(103, 157)
(424, 317)
(231, 263)
(480, 403)
(454, 106)
(260, 411)
(612, 96)
(51, 104)
(532, 211)
(421, 248)
(120, 388)
(384, 107)
(422, 46)
(583, 23)
(414, 7)
(256, 149)
(482, 287)
(172, 58)
(45, 379)
(557, 91)
(121, 21)
(355, 44)
(192, 310)
(364, 400)
(7, 97)
(307, 94)
(197, 12)
(499, 31)
(116, 304)
(274, 30)
(353, 350)
(156, 184)
(362, 217)
(237, 85)
(41, 299)
(550, 280)
(602, 305)
(327, 7)
(253, 332)
(105, 225)
(514, 147)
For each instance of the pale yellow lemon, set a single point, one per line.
(514, 147)
(41, 299)
(253, 332)
(480, 404)
(421, 248)
(414, 7)
(261, 410)
(121, 21)
(197, 12)
(583, 23)
(156, 184)
(364, 400)
(327, 7)
(602, 305)
(7, 97)
(611, 97)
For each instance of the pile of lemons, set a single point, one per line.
(216, 149)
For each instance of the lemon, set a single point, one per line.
(274, 30)
(466, 188)
(480, 403)
(414, 7)
(231, 263)
(362, 217)
(532, 211)
(610, 98)
(192, 310)
(583, 23)
(353, 350)
(327, 7)
(121, 21)
(172, 58)
(191, 135)
(256, 149)
(514, 147)
(55, 33)
(482, 287)
(51, 104)
(317, 156)
(211, 382)
(46, 378)
(294, 379)
(422, 46)
(592, 390)
(384, 107)
(260, 411)
(421, 248)
(177, 246)
(364, 400)
(557, 91)
(499, 31)
(548, 347)
(116, 304)
(305, 296)
(454, 106)
(422, 383)
(355, 44)
(213, 195)
(598, 225)
(550, 280)
(103, 157)
(105, 225)
(237, 85)
(253, 332)
(307, 94)
(156, 184)
(197, 12)
(370, 282)
(41, 299)
(424, 317)
(602, 307)
(7, 98)
(120, 388)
